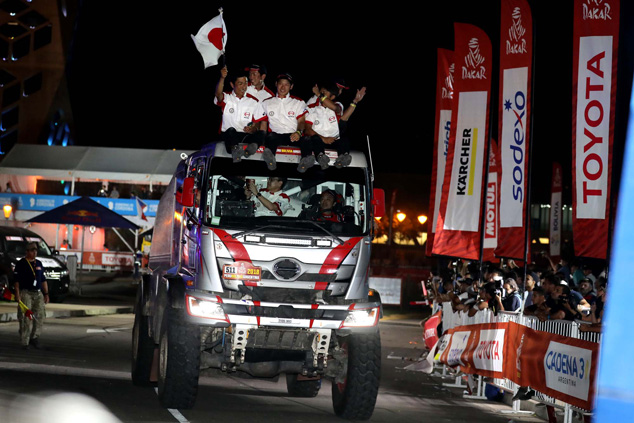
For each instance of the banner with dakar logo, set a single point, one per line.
(595, 48)
(556, 365)
(516, 61)
(444, 100)
(458, 226)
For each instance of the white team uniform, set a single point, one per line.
(237, 112)
(325, 121)
(282, 113)
(262, 94)
(281, 200)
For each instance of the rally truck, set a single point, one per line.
(265, 296)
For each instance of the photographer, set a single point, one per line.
(567, 303)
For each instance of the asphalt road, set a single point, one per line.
(87, 358)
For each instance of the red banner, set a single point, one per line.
(444, 100)
(458, 227)
(595, 48)
(555, 213)
(516, 61)
(556, 365)
(491, 210)
(430, 335)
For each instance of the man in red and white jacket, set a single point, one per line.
(256, 88)
(238, 115)
(283, 116)
(269, 201)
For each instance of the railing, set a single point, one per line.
(451, 319)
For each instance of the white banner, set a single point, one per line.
(513, 147)
(593, 126)
(567, 369)
(489, 354)
(444, 123)
(555, 224)
(465, 190)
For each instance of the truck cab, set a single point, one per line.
(237, 287)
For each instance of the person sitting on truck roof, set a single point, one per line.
(256, 87)
(269, 201)
(283, 116)
(341, 85)
(238, 113)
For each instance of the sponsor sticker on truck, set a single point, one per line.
(242, 270)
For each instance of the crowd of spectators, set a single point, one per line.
(562, 290)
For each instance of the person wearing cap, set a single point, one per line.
(31, 289)
(283, 116)
(238, 114)
(256, 88)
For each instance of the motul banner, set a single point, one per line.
(516, 58)
(556, 365)
(458, 232)
(596, 36)
(491, 207)
(444, 100)
(555, 213)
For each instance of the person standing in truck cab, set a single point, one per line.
(283, 117)
(238, 112)
(269, 201)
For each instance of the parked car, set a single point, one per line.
(13, 243)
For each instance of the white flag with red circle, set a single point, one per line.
(210, 40)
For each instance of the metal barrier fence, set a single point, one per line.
(451, 319)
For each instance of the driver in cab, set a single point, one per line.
(327, 202)
(269, 201)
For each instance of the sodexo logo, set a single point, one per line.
(567, 369)
(517, 107)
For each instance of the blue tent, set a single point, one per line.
(84, 212)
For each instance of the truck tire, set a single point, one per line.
(179, 361)
(142, 347)
(355, 398)
(302, 388)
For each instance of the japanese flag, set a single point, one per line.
(211, 40)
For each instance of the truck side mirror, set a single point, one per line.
(378, 202)
(187, 197)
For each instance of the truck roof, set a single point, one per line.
(290, 154)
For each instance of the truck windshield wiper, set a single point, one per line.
(333, 236)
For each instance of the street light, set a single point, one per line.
(422, 219)
(400, 216)
(7, 211)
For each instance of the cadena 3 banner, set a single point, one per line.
(556, 365)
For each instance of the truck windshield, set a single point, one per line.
(16, 245)
(326, 203)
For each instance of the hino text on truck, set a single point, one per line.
(231, 289)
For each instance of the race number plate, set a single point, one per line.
(242, 270)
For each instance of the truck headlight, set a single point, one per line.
(207, 308)
(362, 318)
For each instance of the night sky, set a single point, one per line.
(136, 79)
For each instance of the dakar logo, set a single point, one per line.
(516, 43)
(473, 62)
(557, 178)
(447, 90)
(596, 10)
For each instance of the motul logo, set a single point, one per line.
(473, 68)
(516, 43)
(596, 10)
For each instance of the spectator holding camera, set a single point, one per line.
(512, 301)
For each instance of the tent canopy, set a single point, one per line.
(119, 164)
(84, 212)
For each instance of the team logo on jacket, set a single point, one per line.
(516, 43)
(247, 115)
(597, 10)
(473, 62)
(271, 113)
(291, 114)
(231, 110)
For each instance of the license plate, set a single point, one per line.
(242, 271)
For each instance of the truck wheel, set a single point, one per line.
(355, 397)
(179, 361)
(302, 388)
(142, 348)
